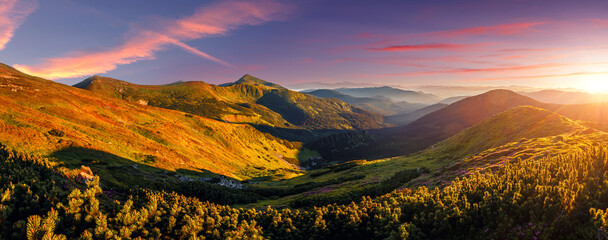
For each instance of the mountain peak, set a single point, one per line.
(96, 79)
(249, 79)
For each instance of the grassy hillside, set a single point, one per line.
(524, 173)
(550, 197)
(464, 113)
(508, 126)
(501, 130)
(75, 127)
(426, 130)
(248, 100)
(542, 188)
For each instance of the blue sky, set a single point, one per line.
(406, 43)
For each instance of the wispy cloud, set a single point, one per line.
(527, 77)
(142, 44)
(428, 46)
(12, 14)
(599, 22)
(461, 33)
(495, 30)
(469, 70)
(502, 29)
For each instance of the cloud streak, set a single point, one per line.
(422, 47)
(470, 70)
(573, 74)
(142, 44)
(500, 30)
(600, 22)
(12, 14)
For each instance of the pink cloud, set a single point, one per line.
(411, 61)
(503, 29)
(574, 74)
(215, 19)
(469, 70)
(527, 49)
(12, 14)
(422, 47)
(499, 30)
(600, 22)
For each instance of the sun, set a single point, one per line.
(595, 83)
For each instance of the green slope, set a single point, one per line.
(248, 100)
(508, 126)
(501, 130)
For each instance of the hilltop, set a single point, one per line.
(75, 127)
(247, 100)
(464, 113)
(248, 79)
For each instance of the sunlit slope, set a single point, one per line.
(230, 104)
(423, 132)
(47, 118)
(248, 100)
(508, 126)
(503, 129)
(467, 112)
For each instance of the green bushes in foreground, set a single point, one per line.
(563, 197)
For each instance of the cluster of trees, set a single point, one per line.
(562, 197)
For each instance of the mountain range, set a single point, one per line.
(444, 123)
(377, 104)
(159, 150)
(391, 93)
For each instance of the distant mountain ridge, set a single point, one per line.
(247, 100)
(406, 118)
(395, 94)
(382, 105)
(566, 97)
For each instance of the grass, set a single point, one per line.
(34, 108)
(521, 132)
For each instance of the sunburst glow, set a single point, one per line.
(597, 83)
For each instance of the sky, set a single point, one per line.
(312, 43)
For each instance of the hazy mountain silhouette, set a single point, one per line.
(394, 94)
(382, 105)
